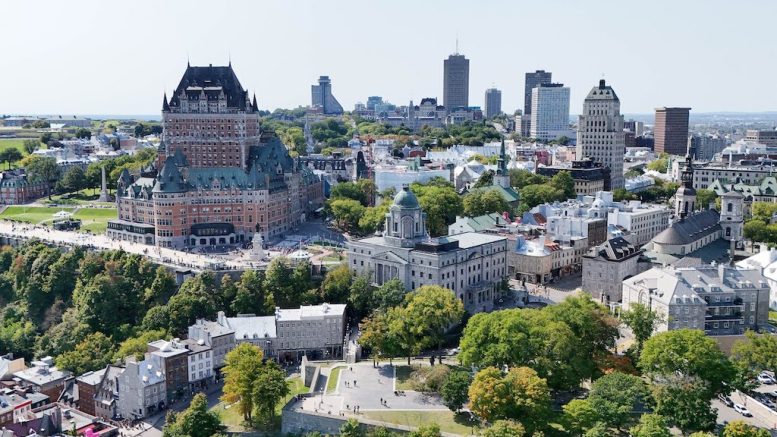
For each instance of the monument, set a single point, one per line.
(104, 195)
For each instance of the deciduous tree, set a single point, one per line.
(454, 390)
(651, 425)
(194, 421)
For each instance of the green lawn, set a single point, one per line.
(331, 382)
(95, 219)
(92, 219)
(448, 420)
(233, 420)
(87, 196)
(31, 214)
(773, 316)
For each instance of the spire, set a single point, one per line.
(253, 105)
(502, 161)
(165, 105)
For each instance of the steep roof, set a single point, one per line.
(602, 92)
(209, 82)
(693, 228)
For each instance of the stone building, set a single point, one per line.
(470, 264)
(606, 266)
(219, 177)
(174, 357)
(600, 132)
(141, 387)
(218, 335)
(720, 299)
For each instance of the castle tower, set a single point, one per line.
(685, 197)
(502, 176)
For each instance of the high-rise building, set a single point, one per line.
(550, 111)
(321, 96)
(455, 92)
(533, 80)
(600, 133)
(493, 102)
(671, 130)
(372, 101)
(219, 178)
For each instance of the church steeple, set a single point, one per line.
(502, 176)
(685, 197)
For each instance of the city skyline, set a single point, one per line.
(277, 49)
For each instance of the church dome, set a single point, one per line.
(406, 199)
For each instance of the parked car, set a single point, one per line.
(741, 409)
(726, 400)
(765, 378)
(773, 394)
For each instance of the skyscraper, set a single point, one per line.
(493, 102)
(455, 92)
(550, 111)
(600, 133)
(321, 96)
(532, 81)
(671, 130)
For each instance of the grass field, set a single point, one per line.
(92, 219)
(448, 420)
(18, 143)
(233, 420)
(87, 196)
(331, 382)
(31, 214)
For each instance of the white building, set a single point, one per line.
(472, 265)
(200, 363)
(643, 220)
(396, 176)
(766, 261)
(142, 389)
(600, 132)
(550, 111)
(217, 335)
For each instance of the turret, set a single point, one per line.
(165, 104)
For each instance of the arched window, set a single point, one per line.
(730, 207)
(728, 230)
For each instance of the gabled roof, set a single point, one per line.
(693, 228)
(209, 82)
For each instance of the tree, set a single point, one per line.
(687, 352)
(433, 309)
(83, 133)
(269, 388)
(454, 390)
(598, 430)
(346, 213)
(564, 182)
(10, 155)
(45, 137)
(504, 428)
(615, 396)
(162, 287)
(705, 197)
(685, 402)
(253, 383)
(43, 169)
(137, 346)
(374, 218)
(251, 297)
(30, 146)
(533, 195)
(350, 190)
(579, 416)
(73, 180)
(376, 336)
(93, 353)
(519, 394)
(739, 428)
(486, 179)
(651, 425)
(337, 284)
(481, 202)
(156, 318)
(642, 321)
(520, 178)
(361, 297)
(754, 354)
(276, 279)
(351, 428)
(440, 202)
(660, 165)
(194, 421)
(390, 294)
(428, 430)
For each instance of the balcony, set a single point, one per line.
(736, 315)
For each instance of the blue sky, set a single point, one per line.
(114, 57)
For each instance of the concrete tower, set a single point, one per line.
(600, 133)
(455, 87)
